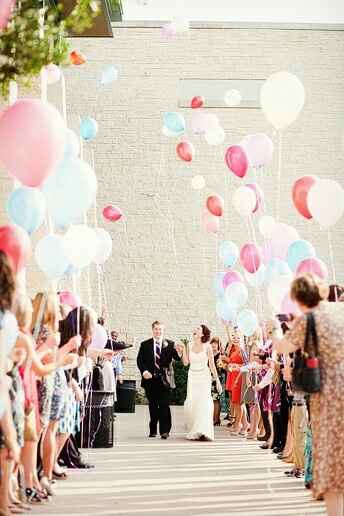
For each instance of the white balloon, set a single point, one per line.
(277, 291)
(266, 226)
(256, 279)
(232, 98)
(215, 135)
(325, 201)
(53, 73)
(236, 294)
(9, 327)
(244, 201)
(282, 97)
(80, 244)
(104, 246)
(198, 182)
(99, 337)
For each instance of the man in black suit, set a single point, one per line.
(154, 360)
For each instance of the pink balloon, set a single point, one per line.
(314, 266)
(215, 205)
(211, 224)
(112, 213)
(250, 257)
(168, 30)
(236, 160)
(300, 191)
(32, 136)
(259, 149)
(282, 236)
(185, 150)
(232, 277)
(289, 306)
(6, 7)
(197, 102)
(70, 299)
(259, 195)
(16, 245)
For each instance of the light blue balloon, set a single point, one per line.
(174, 122)
(229, 253)
(256, 279)
(275, 268)
(51, 257)
(109, 75)
(225, 311)
(237, 294)
(298, 251)
(26, 208)
(88, 128)
(70, 191)
(218, 284)
(72, 145)
(247, 322)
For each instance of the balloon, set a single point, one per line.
(198, 122)
(211, 224)
(99, 337)
(80, 243)
(197, 102)
(53, 73)
(225, 311)
(300, 191)
(88, 128)
(259, 195)
(109, 75)
(314, 266)
(104, 246)
(282, 97)
(236, 160)
(174, 122)
(72, 145)
(170, 134)
(6, 7)
(282, 236)
(51, 257)
(9, 330)
(232, 277)
(70, 299)
(289, 306)
(237, 294)
(267, 252)
(112, 213)
(218, 284)
(77, 58)
(257, 279)
(266, 226)
(277, 268)
(277, 291)
(26, 208)
(299, 251)
(326, 202)
(215, 135)
(168, 30)
(250, 257)
(247, 322)
(198, 182)
(70, 191)
(16, 245)
(32, 136)
(259, 149)
(215, 205)
(229, 253)
(185, 150)
(232, 98)
(244, 201)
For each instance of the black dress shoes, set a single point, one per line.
(277, 449)
(152, 435)
(165, 436)
(264, 446)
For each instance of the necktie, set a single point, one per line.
(157, 354)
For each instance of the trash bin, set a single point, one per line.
(97, 425)
(126, 394)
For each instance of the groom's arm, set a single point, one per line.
(141, 364)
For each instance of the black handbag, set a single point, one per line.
(306, 369)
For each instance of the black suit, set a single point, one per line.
(157, 389)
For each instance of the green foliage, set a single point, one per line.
(36, 37)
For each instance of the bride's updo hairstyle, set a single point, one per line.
(309, 290)
(205, 333)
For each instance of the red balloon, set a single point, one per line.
(259, 195)
(15, 243)
(236, 160)
(77, 58)
(231, 277)
(112, 213)
(215, 205)
(197, 102)
(314, 266)
(300, 191)
(250, 257)
(185, 151)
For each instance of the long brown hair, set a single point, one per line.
(79, 321)
(7, 283)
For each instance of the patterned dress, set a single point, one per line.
(327, 406)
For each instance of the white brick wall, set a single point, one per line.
(137, 168)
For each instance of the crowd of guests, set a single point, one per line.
(262, 403)
(46, 375)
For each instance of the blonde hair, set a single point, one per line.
(23, 311)
(45, 311)
(309, 290)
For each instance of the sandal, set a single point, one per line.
(60, 476)
(32, 496)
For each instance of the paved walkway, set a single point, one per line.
(141, 476)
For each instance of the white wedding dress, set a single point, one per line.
(199, 406)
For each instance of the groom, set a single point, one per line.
(154, 360)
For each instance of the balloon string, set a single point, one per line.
(279, 176)
(12, 98)
(330, 246)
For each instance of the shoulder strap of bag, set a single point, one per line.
(311, 334)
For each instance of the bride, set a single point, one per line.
(199, 406)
